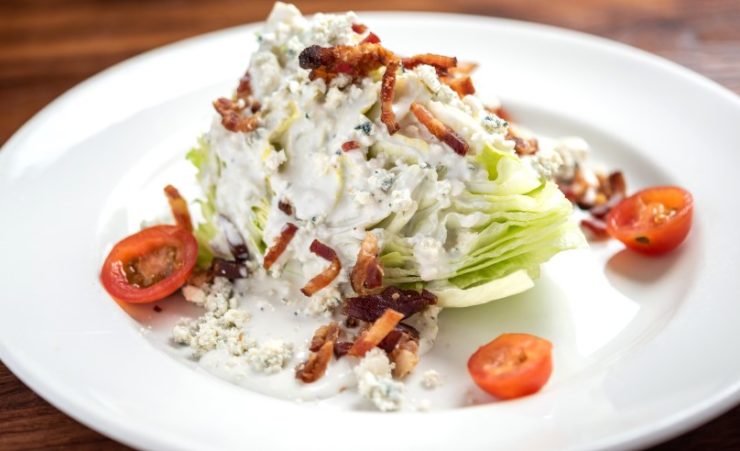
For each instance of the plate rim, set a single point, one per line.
(647, 435)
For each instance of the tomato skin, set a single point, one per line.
(512, 365)
(631, 223)
(146, 241)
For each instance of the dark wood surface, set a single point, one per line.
(48, 46)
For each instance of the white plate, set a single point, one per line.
(645, 348)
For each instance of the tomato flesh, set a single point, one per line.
(653, 221)
(150, 264)
(512, 365)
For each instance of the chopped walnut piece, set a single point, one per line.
(439, 130)
(376, 333)
(277, 249)
(179, 208)
(232, 118)
(326, 276)
(367, 274)
(405, 356)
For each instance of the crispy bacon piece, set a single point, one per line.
(232, 118)
(523, 146)
(367, 274)
(405, 356)
(463, 86)
(371, 307)
(273, 253)
(341, 348)
(439, 62)
(350, 145)
(179, 208)
(387, 92)
(354, 60)
(359, 28)
(244, 89)
(228, 268)
(325, 277)
(371, 38)
(463, 69)
(285, 207)
(330, 332)
(439, 130)
(376, 333)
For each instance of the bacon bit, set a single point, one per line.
(376, 333)
(354, 60)
(463, 69)
(158, 309)
(244, 89)
(341, 348)
(596, 228)
(285, 207)
(330, 332)
(326, 276)
(286, 235)
(314, 368)
(523, 146)
(179, 208)
(367, 274)
(231, 117)
(405, 356)
(228, 268)
(439, 130)
(387, 91)
(359, 28)
(463, 86)
(350, 145)
(371, 38)
(617, 184)
(439, 62)
(371, 307)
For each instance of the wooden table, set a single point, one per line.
(48, 46)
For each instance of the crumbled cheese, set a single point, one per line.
(274, 160)
(430, 254)
(431, 380)
(428, 75)
(270, 356)
(401, 200)
(222, 326)
(375, 383)
(324, 301)
(382, 180)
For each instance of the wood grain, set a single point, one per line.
(48, 46)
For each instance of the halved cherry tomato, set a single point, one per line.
(652, 221)
(150, 265)
(512, 365)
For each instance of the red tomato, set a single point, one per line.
(150, 265)
(652, 221)
(512, 365)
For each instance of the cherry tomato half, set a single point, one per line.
(150, 265)
(652, 221)
(512, 365)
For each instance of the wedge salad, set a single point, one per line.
(349, 195)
